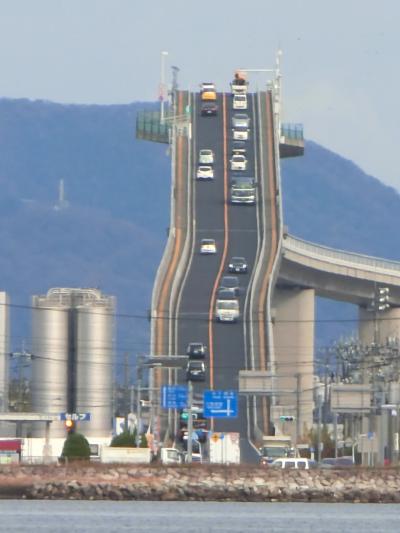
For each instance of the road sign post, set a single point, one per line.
(174, 397)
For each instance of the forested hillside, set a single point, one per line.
(113, 232)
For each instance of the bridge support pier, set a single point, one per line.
(293, 330)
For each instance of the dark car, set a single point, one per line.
(226, 294)
(230, 283)
(209, 109)
(196, 371)
(196, 349)
(238, 265)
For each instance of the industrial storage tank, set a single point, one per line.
(49, 359)
(73, 356)
(94, 369)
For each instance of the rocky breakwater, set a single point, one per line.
(200, 482)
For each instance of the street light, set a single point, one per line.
(164, 54)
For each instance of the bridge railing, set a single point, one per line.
(292, 131)
(149, 127)
(340, 256)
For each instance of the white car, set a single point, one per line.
(208, 246)
(205, 172)
(206, 157)
(239, 101)
(238, 162)
(240, 134)
(207, 87)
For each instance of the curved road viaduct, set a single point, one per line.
(277, 295)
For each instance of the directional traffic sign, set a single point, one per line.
(220, 404)
(77, 417)
(174, 397)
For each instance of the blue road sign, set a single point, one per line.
(220, 404)
(174, 396)
(77, 417)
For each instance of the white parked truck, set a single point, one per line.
(227, 310)
(170, 456)
(224, 448)
(275, 447)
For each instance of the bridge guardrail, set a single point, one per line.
(340, 256)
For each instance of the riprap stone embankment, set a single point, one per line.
(200, 482)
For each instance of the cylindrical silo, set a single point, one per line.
(50, 351)
(72, 363)
(94, 365)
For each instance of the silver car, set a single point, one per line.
(240, 120)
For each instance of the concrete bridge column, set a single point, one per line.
(293, 329)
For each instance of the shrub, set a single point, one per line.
(76, 447)
(125, 439)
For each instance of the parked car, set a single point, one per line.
(293, 463)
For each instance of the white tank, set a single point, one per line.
(73, 357)
(94, 369)
(49, 364)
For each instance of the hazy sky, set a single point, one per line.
(340, 60)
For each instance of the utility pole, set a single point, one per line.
(190, 422)
(126, 389)
(298, 383)
(139, 370)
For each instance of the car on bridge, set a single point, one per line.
(196, 350)
(240, 120)
(238, 162)
(239, 147)
(207, 86)
(208, 91)
(227, 310)
(230, 283)
(238, 265)
(205, 172)
(209, 109)
(206, 157)
(196, 371)
(208, 246)
(240, 133)
(239, 101)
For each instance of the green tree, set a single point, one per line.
(76, 447)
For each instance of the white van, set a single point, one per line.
(294, 463)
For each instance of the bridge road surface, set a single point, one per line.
(229, 343)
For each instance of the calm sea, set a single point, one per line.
(195, 517)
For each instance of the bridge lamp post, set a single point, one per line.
(162, 93)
